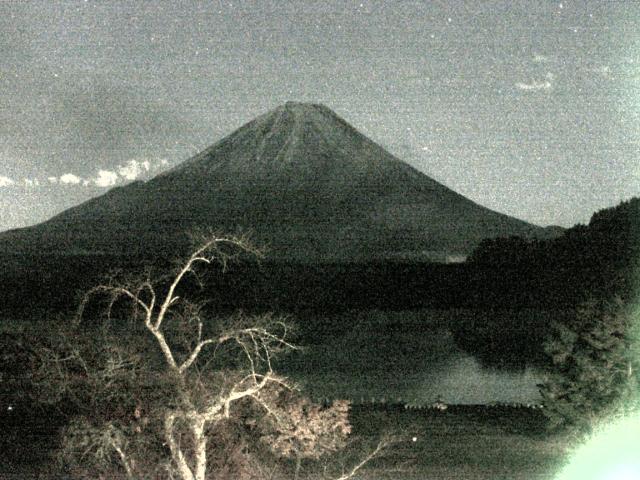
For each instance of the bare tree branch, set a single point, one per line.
(201, 393)
(383, 444)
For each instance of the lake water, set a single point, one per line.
(405, 365)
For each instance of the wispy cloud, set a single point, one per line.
(106, 178)
(70, 179)
(546, 85)
(604, 70)
(538, 58)
(5, 181)
(537, 85)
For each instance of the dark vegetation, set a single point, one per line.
(597, 262)
(594, 370)
(503, 278)
(599, 259)
(291, 287)
(524, 295)
(470, 442)
(463, 442)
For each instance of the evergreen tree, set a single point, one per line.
(593, 368)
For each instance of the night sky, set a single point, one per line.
(530, 108)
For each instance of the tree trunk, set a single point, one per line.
(176, 452)
(200, 447)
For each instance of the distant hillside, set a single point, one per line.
(304, 181)
(598, 260)
(602, 257)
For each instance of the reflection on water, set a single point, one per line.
(465, 381)
(406, 367)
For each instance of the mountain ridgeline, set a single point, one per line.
(305, 183)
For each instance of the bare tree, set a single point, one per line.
(152, 398)
(196, 412)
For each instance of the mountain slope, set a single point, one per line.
(303, 180)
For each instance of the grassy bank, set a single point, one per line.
(461, 443)
(470, 443)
